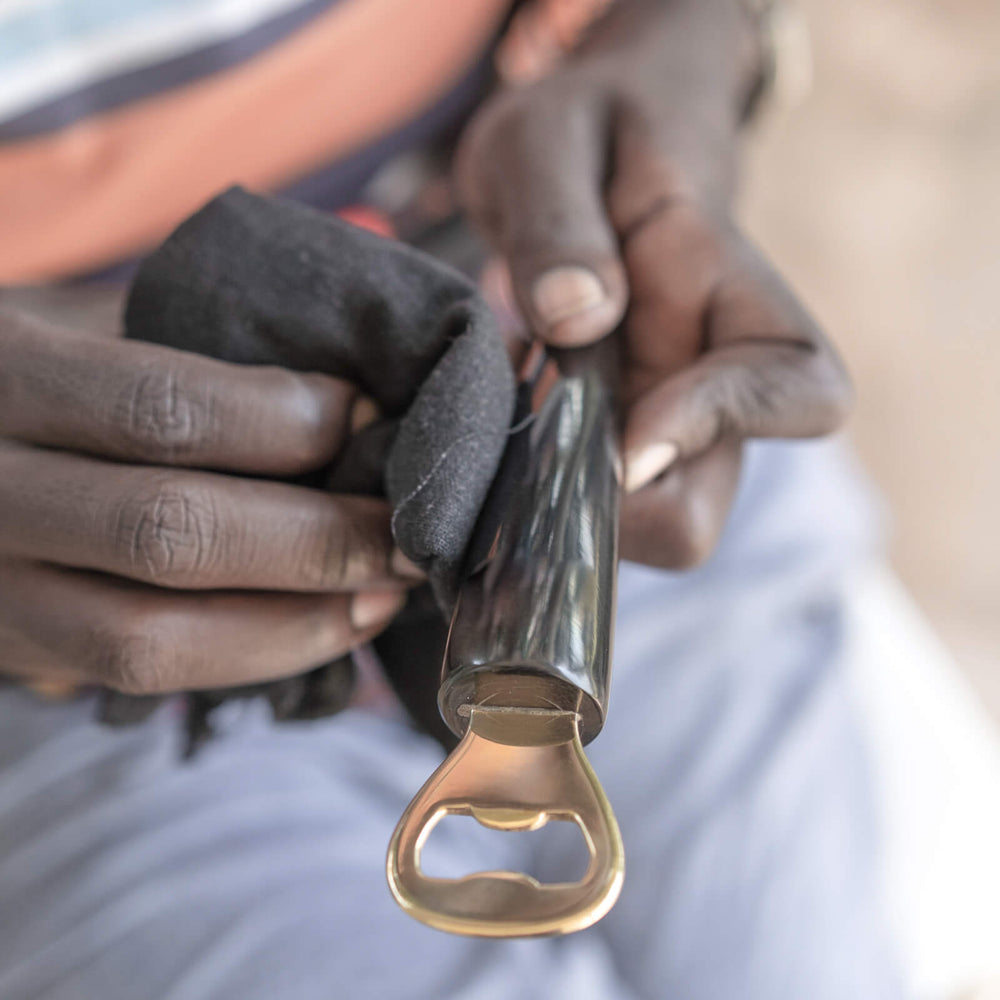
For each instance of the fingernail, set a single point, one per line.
(402, 566)
(652, 461)
(565, 292)
(365, 411)
(54, 690)
(370, 607)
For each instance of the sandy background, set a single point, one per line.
(879, 196)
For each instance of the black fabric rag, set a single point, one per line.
(259, 280)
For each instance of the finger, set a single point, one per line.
(190, 530)
(28, 662)
(673, 256)
(143, 402)
(142, 640)
(496, 287)
(768, 372)
(531, 171)
(676, 521)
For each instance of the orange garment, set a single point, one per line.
(109, 186)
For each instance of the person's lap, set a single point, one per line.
(732, 757)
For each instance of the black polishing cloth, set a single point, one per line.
(263, 281)
(258, 280)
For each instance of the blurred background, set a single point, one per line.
(878, 196)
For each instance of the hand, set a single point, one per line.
(136, 551)
(606, 187)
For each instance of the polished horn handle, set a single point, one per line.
(540, 594)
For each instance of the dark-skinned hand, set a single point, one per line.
(606, 186)
(136, 551)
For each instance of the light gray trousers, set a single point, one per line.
(733, 758)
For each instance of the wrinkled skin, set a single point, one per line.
(137, 552)
(112, 527)
(620, 165)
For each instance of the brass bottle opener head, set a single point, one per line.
(515, 769)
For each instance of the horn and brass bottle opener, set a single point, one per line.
(527, 666)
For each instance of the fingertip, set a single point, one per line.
(364, 412)
(648, 462)
(405, 568)
(564, 292)
(373, 607)
(574, 306)
(586, 328)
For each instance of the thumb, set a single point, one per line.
(530, 171)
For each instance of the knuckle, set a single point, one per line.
(167, 532)
(132, 657)
(162, 419)
(809, 389)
